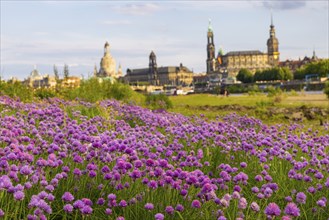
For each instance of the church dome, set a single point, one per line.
(34, 74)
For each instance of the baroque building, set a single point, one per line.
(233, 61)
(107, 65)
(160, 76)
(36, 80)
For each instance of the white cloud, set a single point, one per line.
(137, 9)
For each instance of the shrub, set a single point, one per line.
(16, 90)
(44, 93)
(160, 101)
(272, 91)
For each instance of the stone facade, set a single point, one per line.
(231, 62)
(160, 76)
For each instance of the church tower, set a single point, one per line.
(153, 70)
(211, 61)
(273, 47)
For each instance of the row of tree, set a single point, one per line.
(66, 72)
(277, 73)
(321, 69)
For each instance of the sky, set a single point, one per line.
(48, 33)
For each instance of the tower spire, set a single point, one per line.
(209, 26)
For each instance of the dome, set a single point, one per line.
(34, 74)
(106, 44)
(273, 40)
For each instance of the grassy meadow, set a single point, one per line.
(256, 105)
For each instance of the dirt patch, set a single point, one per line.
(299, 113)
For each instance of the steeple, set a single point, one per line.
(314, 57)
(210, 49)
(209, 26)
(273, 46)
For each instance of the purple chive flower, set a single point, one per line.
(149, 206)
(123, 203)
(243, 164)
(108, 211)
(170, 210)
(111, 196)
(301, 198)
(321, 203)
(254, 206)
(67, 197)
(196, 204)
(120, 218)
(31, 217)
(272, 209)
(19, 195)
(179, 208)
(288, 198)
(242, 203)
(159, 216)
(255, 189)
(86, 210)
(78, 204)
(68, 208)
(50, 188)
(100, 201)
(152, 184)
(25, 170)
(2, 213)
(258, 178)
(292, 209)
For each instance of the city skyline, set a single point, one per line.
(56, 32)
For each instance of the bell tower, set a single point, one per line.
(153, 69)
(210, 50)
(273, 47)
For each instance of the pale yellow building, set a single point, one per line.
(232, 62)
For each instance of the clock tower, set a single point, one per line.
(273, 47)
(211, 60)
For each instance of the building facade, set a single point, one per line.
(160, 76)
(36, 80)
(233, 61)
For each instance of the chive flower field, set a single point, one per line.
(109, 160)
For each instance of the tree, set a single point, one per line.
(245, 76)
(321, 68)
(287, 74)
(66, 71)
(56, 73)
(326, 89)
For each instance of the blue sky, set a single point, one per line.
(44, 33)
